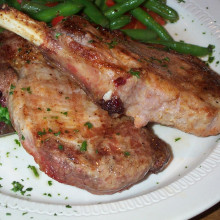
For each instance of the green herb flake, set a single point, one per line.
(50, 183)
(28, 89)
(8, 213)
(88, 124)
(135, 73)
(60, 147)
(24, 213)
(57, 134)
(12, 87)
(22, 138)
(17, 142)
(83, 146)
(177, 139)
(91, 41)
(68, 206)
(17, 187)
(41, 133)
(211, 59)
(34, 169)
(50, 130)
(127, 154)
(112, 44)
(67, 97)
(64, 113)
(48, 109)
(57, 35)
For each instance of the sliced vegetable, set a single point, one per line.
(120, 22)
(140, 34)
(92, 11)
(56, 20)
(63, 9)
(14, 4)
(185, 48)
(120, 8)
(162, 9)
(32, 7)
(146, 19)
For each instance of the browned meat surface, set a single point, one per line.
(145, 82)
(73, 140)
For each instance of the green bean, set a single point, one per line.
(64, 9)
(185, 48)
(99, 3)
(162, 9)
(140, 34)
(147, 20)
(120, 8)
(32, 7)
(14, 4)
(92, 11)
(120, 22)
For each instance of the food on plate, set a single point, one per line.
(144, 81)
(73, 140)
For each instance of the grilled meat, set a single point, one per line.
(73, 140)
(145, 82)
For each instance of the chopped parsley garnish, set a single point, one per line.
(48, 109)
(12, 87)
(88, 124)
(135, 73)
(50, 183)
(8, 213)
(177, 139)
(126, 153)
(41, 133)
(112, 44)
(18, 187)
(50, 130)
(34, 169)
(60, 147)
(57, 35)
(22, 138)
(67, 97)
(64, 113)
(57, 134)
(68, 206)
(28, 89)
(83, 146)
(91, 41)
(211, 59)
(17, 142)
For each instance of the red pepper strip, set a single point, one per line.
(51, 4)
(157, 17)
(56, 20)
(110, 3)
(19, 1)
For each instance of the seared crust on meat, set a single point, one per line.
(73, 140)
(147, 82)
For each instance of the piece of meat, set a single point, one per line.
(147, 82)
(73, 140)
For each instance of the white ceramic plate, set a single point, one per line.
(187, 187)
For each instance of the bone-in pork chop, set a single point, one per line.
(145, 82)
(73, 140)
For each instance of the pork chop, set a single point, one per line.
(73, 140)
(145, 82)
